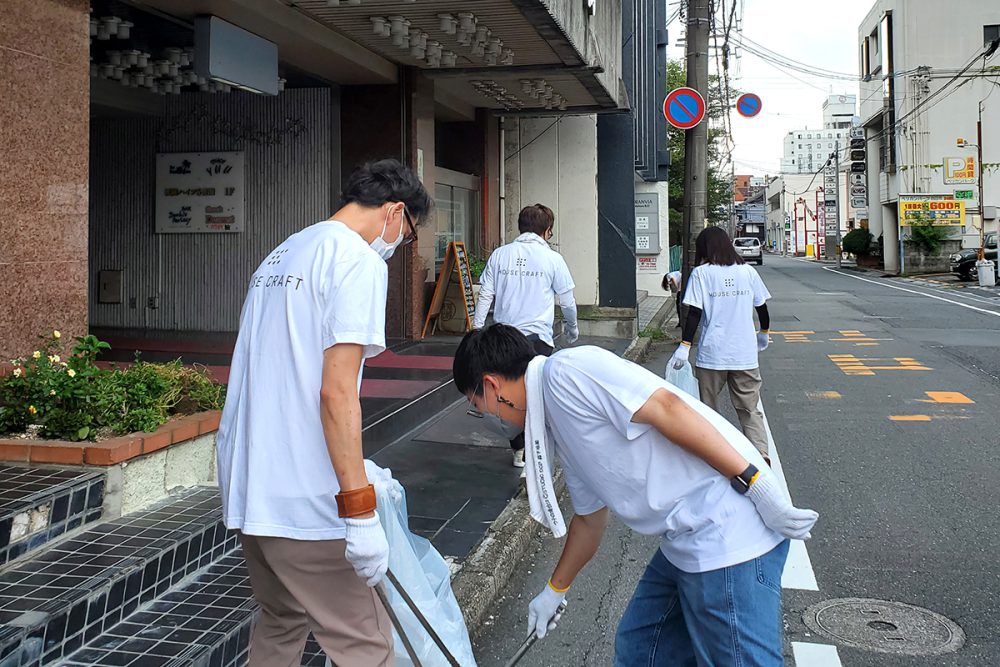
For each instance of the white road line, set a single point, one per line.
(815, 655)
(913, 291)
(798, 572)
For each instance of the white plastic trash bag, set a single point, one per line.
(683, 379)
(425, 576)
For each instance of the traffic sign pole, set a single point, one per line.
(836, 152)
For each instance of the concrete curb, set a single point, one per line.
(486, 572)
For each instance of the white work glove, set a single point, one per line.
(367, 549)
(571, 333)
(680, 356)
(763, 338)
(544, 611)
(777, 511)
(381, 478)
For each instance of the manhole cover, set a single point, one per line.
(887, 627)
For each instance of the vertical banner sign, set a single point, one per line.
(647, 224)
(454, 271)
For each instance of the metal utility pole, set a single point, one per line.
(982, 202)
(836, 248)
(696, 139)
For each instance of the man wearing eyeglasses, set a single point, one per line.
(292, 474)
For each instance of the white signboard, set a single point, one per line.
(198, 193)
(958, 170)
(858, 179)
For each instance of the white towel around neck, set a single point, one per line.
(538, 454)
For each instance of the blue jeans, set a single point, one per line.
(729, 617)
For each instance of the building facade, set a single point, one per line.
(795, 215)
(920, 92)
(806, 151)
(92, 239)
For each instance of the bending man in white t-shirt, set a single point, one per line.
(292, 474)
(631, 443)
(527, 277)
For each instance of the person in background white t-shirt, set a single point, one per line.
(631, 443)
(292, 474)
(527, 277)
(725, 292)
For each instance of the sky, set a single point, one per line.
(818, 34)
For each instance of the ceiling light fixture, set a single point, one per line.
(448, 23)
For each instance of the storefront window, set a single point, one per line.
(457, 212)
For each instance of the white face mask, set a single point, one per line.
(380, 245)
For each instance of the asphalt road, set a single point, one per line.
(882, 395)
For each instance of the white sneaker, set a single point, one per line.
(518, 458)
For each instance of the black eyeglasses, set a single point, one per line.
(413, 229)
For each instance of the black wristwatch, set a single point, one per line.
(742, 482)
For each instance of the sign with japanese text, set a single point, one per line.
(199, 193)
(930, 210)
(958, 170)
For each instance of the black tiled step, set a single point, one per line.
(47, 503)
(203, 622)
(69, 595)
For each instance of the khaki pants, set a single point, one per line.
(302, 586)
(744, 391)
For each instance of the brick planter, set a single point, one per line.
(109, 452)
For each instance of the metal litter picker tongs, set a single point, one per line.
(384, 597)
(530, 641)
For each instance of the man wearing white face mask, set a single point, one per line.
(292, 475)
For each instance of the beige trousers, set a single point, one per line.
(301, 586)
(744, 391)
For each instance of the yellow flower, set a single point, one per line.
(56, 335)
(54, 359)
(71, 373)
(17, 372)
(32, 410)
(52, 392)
(36, 355)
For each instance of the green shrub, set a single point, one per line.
(75, 399)
(927, 237)
(858, 242)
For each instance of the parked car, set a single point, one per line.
(749, 249)
(963, 262)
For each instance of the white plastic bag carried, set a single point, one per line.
(425, 576)
(683, 378)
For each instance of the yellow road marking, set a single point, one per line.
(910, 418)
(824, 394)
(852, 365)
(955, 397)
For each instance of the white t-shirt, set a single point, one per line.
(727, 296)
(322, 286)
(656, 487)
(525, 276)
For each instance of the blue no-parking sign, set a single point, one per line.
(684, 108)
(749, 105)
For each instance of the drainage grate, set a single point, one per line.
(883, 626)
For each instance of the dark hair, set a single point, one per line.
(496, 350)
(713, 246)
(537, 219)
(375, 183)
